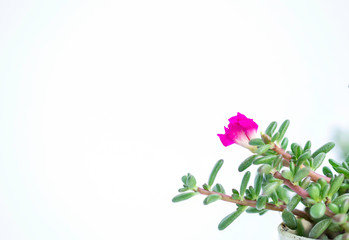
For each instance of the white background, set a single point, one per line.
(104, 105)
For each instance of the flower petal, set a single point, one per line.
(226, 141)
(240, 130)
(248, 124)
(235, 132)
(237, 118)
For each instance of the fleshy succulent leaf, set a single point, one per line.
(184, 196)
(289, 219)
(247, 163)
(324, 149)
(231, 217)
(212, 198)
(319, 228)
(214, 172)
(244, 183)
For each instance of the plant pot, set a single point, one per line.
(288, 234)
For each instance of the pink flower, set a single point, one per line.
(240, 131)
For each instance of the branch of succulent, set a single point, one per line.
(297, 189)
(252, 203)
(285, 181)
(313, 175)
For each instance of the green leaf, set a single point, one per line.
(258, 183)
(184, 179)
(305, 183)
(191, 181)
(265, 168)
(274, 197)
(289, 219)
(303, 157)
(284, 143)
(263, 212)
(235, 191)
(282, 194)
(247, 163)
(253, 192)
(261, 201)
(244, 183)
(294, 202)
(266, 159)
(278, 163)
(314, 192)
(339, 200)
(318, 160)
(270, 188)
(231, 217)
(300, 228)
(214, 172)
(318, 210)
(333, 163)
(292, 168)
(309, 162)
(307, 146)
(334, 197)
(275, 137)
(248, 194)
(325, 149)
(344, 207)
(344, 236)
(345, 186)
(319, 228)
(271, 128)
(322, 182)
(335, 185)
(263, 149)
(256, 142)
(287, 174)
(342, 170)
(324, 191)
(283, 129)
(301, 173)
(218, 188)
(318, 185)
(345, 165)
(212, 198)
(184, 196)
(334, 228)
(252, 210)
(235, 197)
(309, 201)
(327, 172)
(333, 207)
(296, 149)
(183, 189)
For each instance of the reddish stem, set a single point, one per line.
(252, 203)
(297, 189)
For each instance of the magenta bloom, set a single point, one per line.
(240, 131)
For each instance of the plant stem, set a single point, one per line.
(297, 189)
(252, 203)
